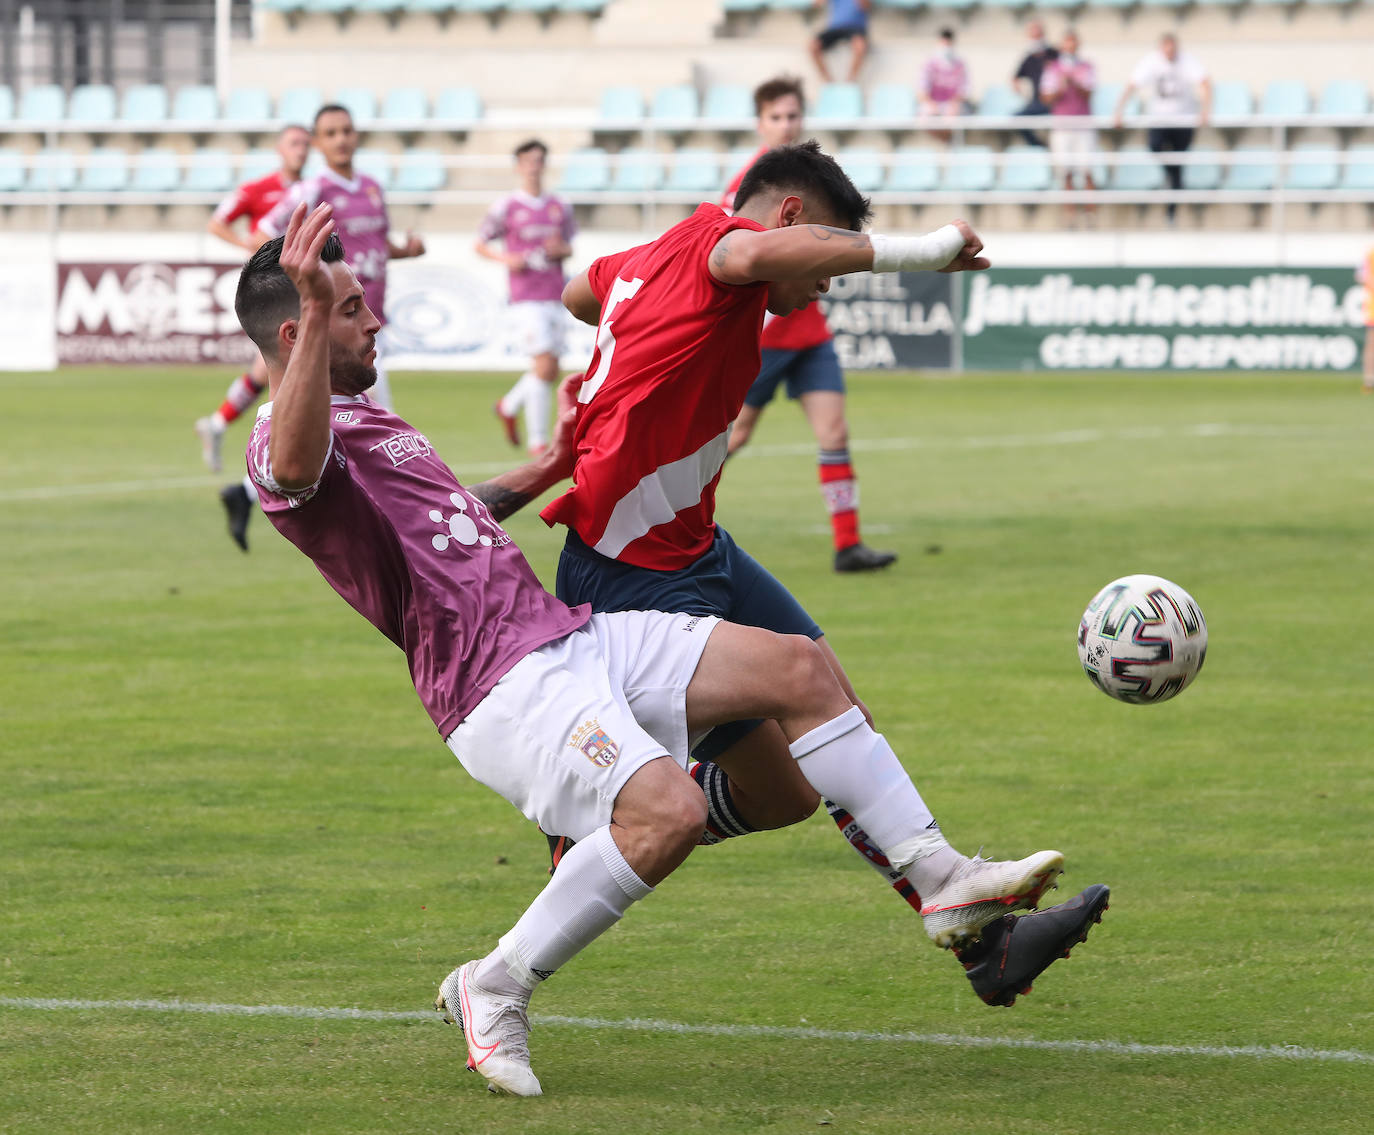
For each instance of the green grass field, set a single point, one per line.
(217, 788)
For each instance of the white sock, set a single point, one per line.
(587, 895)
(514, 399)
(538, 406)
(250, 488)
(847, 762)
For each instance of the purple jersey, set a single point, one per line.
(394, 533)
(945, 78)
(525, 223)
(1055, 79)
(359, 219)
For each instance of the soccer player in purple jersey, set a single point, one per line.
(582, 721)
(535, 230)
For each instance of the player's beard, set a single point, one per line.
(349, 375)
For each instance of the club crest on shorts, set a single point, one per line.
(595, 744)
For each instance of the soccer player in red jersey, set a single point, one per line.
(799, 350)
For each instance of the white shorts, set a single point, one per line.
(538, 326)
(571, 722)
(1073, 150)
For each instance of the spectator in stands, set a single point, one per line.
(1066, 85)
(1174, 84)
(1027, 78)
(1365, 275)
(848, 20)
(944, 83)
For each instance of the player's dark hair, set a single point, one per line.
(266, 298)
(532, 144)
(331, 108)
(777, 88)
(947, 33)
(813, 175)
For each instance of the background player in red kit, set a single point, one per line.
(799, 350)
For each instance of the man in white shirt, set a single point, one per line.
(1176, 84)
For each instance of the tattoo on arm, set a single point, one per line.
(720, 253)
(501, 502)
(825, 232)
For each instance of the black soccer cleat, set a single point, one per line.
(860, 557)
(558, 847)
(1014, 951)
(239, 508)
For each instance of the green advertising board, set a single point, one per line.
(1162, 318)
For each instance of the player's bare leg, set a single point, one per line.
(242, 393)
(824, 410)
(818, 58)
(858, 52)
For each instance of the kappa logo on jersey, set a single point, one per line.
(595, 744)
(401, 448)
(344, 416)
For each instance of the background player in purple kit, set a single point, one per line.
(536, 231)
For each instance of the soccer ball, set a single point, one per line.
(1142, 639)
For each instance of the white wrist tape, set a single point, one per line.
(916, 253)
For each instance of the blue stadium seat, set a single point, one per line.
(209, 171)
(1026, 170)
(92, 103)
(1202, 175)
(284, 5)
(1285, 96)
(1145, 171)
(384, 5)
(915, 172)
(104, 170)
(675, 102)
(1344, 96)
(376, 164)
(52, 169)
(144, 105)
(837, 102)
(481, 5)
(420, 171)
(864, 167)
(1359, 168)
(695, 171)
(589, 7)
(1231, 99)
(299, 104)
(195, 104)
(637, 170)
(13, 166)
(249, 104)
(737, 159)
(361, 103)
(586, 170)
(457, 104)
(1000, 101)
(6, 104)
(542, 7)
(156, 171)
(745, 5)
(620, 104)
(728, 102)
(44, 103)
(1104, 98)
(895, 101)
(1312, 165)
(953, 4)
(405, 104)
(258, 163)
(1252, 175)
(970, 169)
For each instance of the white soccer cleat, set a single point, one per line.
(980, 891)
(211, 440)
(496, 1029)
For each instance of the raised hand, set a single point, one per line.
(967, 258)
(300, 253)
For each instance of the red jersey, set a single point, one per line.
(676, 351)
(795, 332)
(254, 200)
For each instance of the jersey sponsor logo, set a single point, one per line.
(595, 744)
(400, 448)
(463, 529)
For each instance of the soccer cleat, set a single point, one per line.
(1016, 949)
(559, 846)
(239, 508)
(495, 1028)
(860, 557)
(211, 441)
(980, 891)
(512, 427)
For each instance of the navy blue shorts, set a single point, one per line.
(807, 370)
(726, 581)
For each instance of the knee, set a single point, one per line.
(803, 674)
(678, 815)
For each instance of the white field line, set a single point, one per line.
(676, 1028)
(871, 445)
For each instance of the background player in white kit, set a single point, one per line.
(536, 231)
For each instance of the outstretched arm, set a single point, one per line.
(510, 492)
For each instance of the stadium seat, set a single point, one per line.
(728, 102)
(1026, 169)
(586, 170)
(1202, 175)
(249, 104)
(1358, 172)
(195, 104)
(914, 171)
(1285, 96)
(1105, 97)
(1344, 96)
(954, 4)
(209, 171)
(457, 104)
(104, 170)
(839, 102)
(737, 159)
(589, 7)
(675, 102)
(361, 103)
(384, 5)
(864, 167)
(620, 104)
(695, 171)
(420, 171)
(485, 6)
(376, 164)
(258, 163)
(637, 170)
(745, 5)
(299, 104)
(1312, 165)
(1231, 99)
(893, 101)
(1141, 171)
(44, 103)
(156, 171)
(1252, 175)
(13, 166)
(405, 104)
(51, 169)
(92, 103)
(144, 105)
(6, 104)
(999, 102)
(540, 7)
(970, 169)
